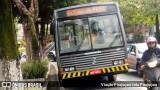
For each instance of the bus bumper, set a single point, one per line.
(97, 71)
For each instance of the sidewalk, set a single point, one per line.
(52, 77)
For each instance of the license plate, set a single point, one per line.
(96, 71)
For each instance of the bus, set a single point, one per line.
(89, 41)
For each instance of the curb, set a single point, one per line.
(51, 69)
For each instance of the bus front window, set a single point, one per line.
(106, 31)
(74, 35)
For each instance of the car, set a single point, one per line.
(23, 56)
(53, 64)
(128, 47)
(51, 55)
(135, 53)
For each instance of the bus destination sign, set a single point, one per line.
(86, 10)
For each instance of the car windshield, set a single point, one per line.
(89, 33)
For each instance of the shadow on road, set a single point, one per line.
(80, 84)
(94, 83)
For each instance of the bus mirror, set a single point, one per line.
(52, 28)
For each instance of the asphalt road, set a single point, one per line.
(129, 77)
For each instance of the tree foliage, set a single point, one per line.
(140, 11)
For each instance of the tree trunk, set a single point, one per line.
(157, 29)
(8, 38)
(34, 10)
(28, 40)
(9, 66)
(42, 36)
(10, 71)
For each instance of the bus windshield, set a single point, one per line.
(89, 33)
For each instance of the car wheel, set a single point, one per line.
(139, 72)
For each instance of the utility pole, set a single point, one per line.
(157, 29)
(156, 3)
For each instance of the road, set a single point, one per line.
(127, 78)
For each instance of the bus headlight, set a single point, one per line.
(118, 62)
(115, 62)
(67, 69)
(72, 68)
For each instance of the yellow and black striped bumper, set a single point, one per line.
(106, 70)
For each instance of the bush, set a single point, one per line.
(34, 69)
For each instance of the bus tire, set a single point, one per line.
(60, 80)
(112, 78)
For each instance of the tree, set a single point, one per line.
(29, 17)
(8, 44)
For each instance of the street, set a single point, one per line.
(126, 77)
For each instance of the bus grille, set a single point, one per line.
(91, 61)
